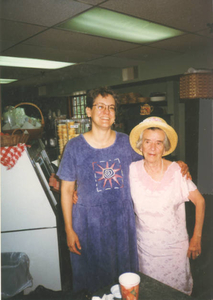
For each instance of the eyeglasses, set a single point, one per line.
(102, 107)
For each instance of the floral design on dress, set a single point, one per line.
(108, 175)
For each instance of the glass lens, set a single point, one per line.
(102, 107)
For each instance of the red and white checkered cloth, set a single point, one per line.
(10, 155)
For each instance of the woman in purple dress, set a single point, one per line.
(100, 228)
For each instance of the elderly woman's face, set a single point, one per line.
(153, 144)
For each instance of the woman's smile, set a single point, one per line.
(103, 111)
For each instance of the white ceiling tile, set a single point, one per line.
(186, 15)
(91, 2)
(184, 43)
(116, 62)
(30, 51)
(37, 77)
(206, 32)
(145, 53)
(18, 31)
(29, 76)
(67, 40)
(19, 73)
(41, 12)
(4, 44)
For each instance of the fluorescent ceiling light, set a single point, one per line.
(109, 24)
(5, 81)
(21, 62)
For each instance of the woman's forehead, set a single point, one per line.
(108, 99)
(157, 133)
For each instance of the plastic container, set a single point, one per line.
(68, 129)
(115, 290)
(15, 273)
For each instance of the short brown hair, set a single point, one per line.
(103, 91)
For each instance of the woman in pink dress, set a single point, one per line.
(159, 192)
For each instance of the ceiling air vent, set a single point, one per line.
(130, 73)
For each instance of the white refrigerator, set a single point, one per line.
(28, 222)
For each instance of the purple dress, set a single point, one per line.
(103, 217)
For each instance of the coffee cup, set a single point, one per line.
(129, 285)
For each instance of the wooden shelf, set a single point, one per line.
(152, 115)
(158, 103)
(151, 103)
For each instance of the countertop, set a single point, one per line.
(151, 289)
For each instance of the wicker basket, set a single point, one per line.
(15, 138)
(33, 133)
(196, 85)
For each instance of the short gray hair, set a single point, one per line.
(166, 141)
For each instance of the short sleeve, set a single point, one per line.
(186, 186)
(67, 167)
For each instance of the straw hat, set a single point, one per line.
(154, 122)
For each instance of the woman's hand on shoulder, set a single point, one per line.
(73, 242)
(184, 169)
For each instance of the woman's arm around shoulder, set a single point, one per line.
(195, 243)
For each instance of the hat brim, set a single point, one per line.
(154, 122)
